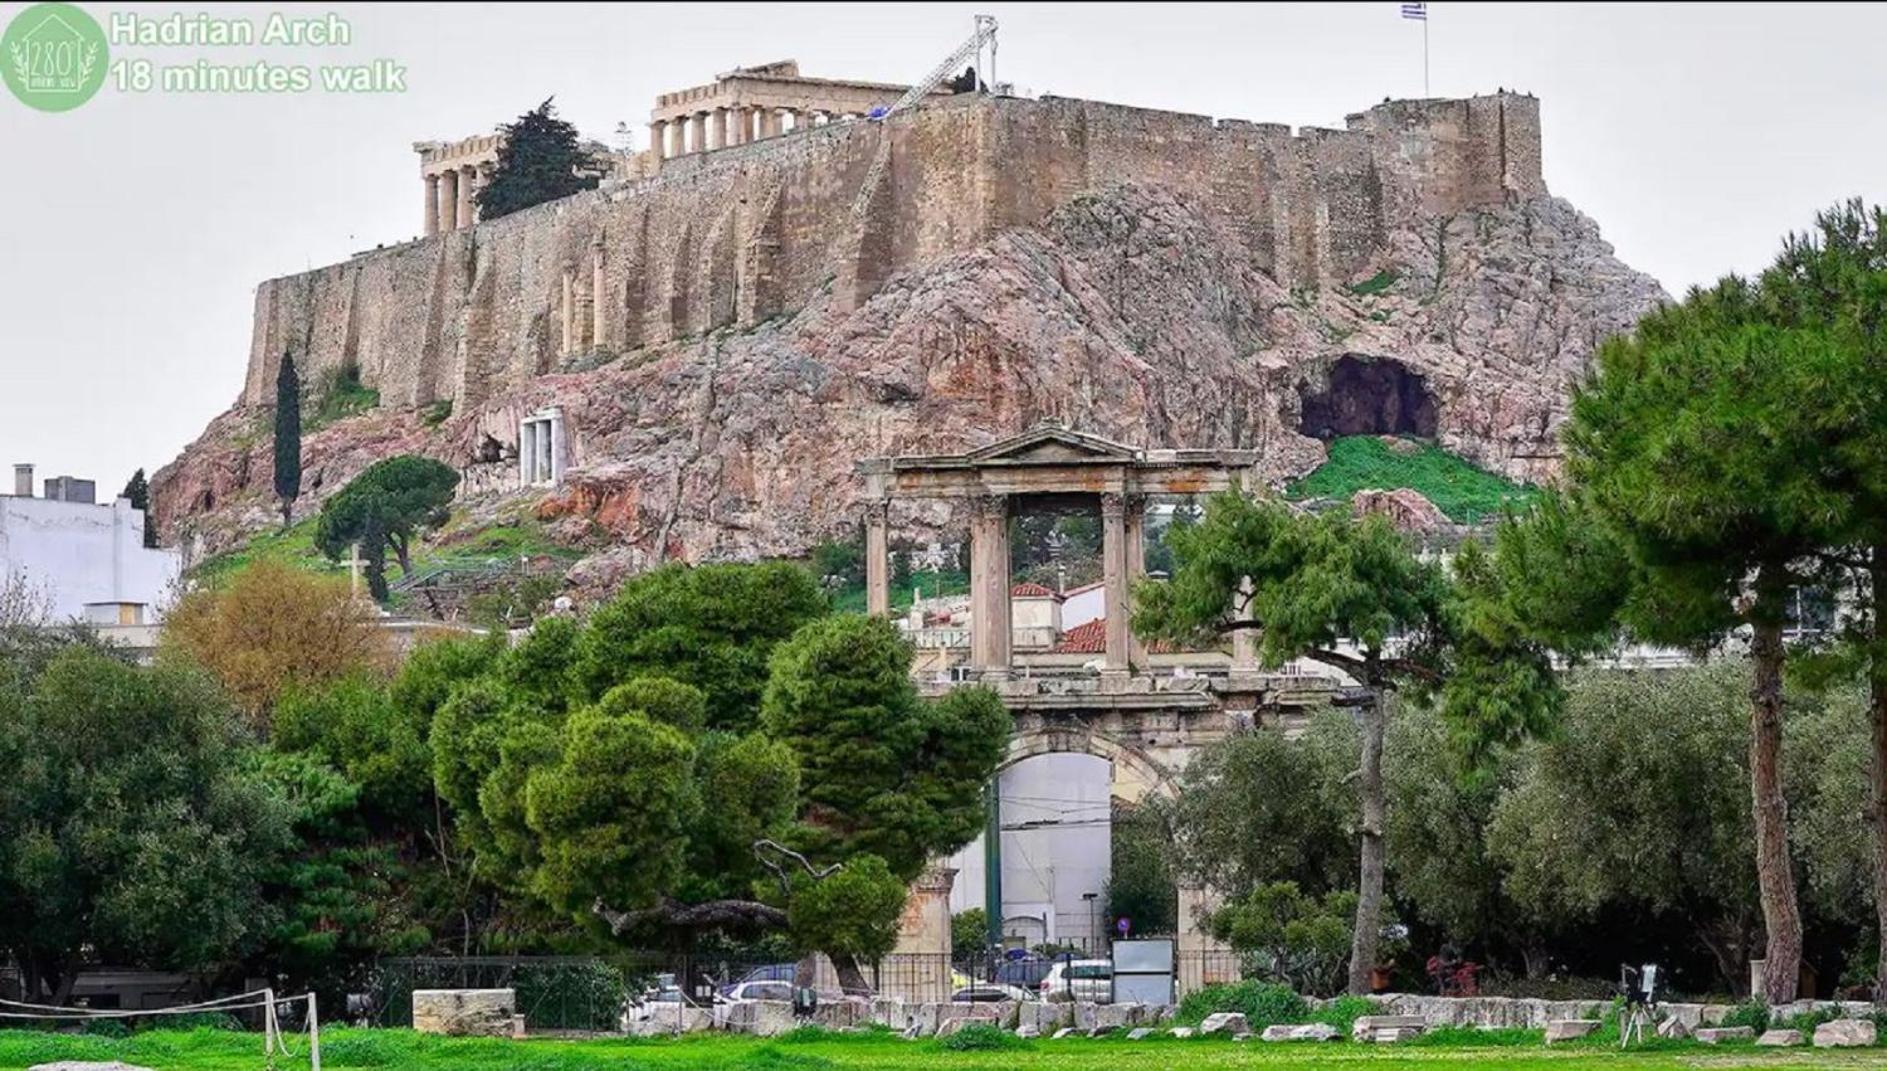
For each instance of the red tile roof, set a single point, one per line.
(1031, 591)
(1089, 637)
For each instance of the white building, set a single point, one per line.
(87, 561)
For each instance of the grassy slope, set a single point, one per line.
(221, 1051)
(506, 543)
(1462, 491)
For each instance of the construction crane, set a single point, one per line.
(972, 48)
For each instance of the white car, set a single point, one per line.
(748, 991)
(1084, 980)
(991, 993)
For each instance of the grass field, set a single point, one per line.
(1465, 493)
(210, 1050)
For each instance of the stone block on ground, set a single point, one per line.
(1028, 1030)
(1845, 1034)
(1716, 1035)
(1568, 1029)
(951, 1026)
(1779, 1038)
(1316, 1032)
(464, 1012)
(1674, 1028)
(1182, 1031)
(761, 1018)
(1139, 1032)
(1064, 1032)
(1231, 1023)
(1387, 1028)
(1276, 1032)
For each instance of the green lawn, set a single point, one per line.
(1465, 493)
(228, 1051)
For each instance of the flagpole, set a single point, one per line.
(1425, 53)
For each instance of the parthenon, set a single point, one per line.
(750, 103)
(452, 173)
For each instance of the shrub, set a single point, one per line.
(982, 1037)
(1752, 1013)
(1261, 1003)
(1344, 1011)
(1807, 1021)
(571, 996)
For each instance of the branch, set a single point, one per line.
(694, 916)
(779, 870)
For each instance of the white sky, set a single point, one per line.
(133, 229)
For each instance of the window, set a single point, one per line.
(540, 449)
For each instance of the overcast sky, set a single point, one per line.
(134, 229)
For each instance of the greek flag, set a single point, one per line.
(1418, 12)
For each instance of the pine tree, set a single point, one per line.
(138, 491)
(287, 437)
(540, 160)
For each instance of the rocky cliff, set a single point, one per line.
(1136, 311)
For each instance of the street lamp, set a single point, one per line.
(1094, 933)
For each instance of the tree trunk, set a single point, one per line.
(1877, 702)
(288, 514)
(1775, 877)
(851, 976)
(400, 550)
(1370, 874)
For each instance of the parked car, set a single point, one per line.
(770, 972)
(1026, 973)
(746, 991)
(991, 993)
(1080, 980)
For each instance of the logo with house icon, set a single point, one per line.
(54, 57)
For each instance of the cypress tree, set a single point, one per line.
(138, 491)
(540, 160)
(287, 437)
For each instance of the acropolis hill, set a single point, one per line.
(691, 357)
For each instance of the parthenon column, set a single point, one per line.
(1115, 577)
(769, 122)
(448, 200)
(699, 123)
(658, 138)
(989, 586)
(432, 205)
(877, 558)
(730, 125)
(464, 215)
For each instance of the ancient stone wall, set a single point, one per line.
(739, 235)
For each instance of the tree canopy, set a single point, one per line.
(540, 159)
(385, 506)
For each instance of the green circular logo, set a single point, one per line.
(53, 57)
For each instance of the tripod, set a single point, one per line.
(1640, 989)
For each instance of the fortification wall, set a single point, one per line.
(736, 236)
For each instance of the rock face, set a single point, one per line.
(1136, 300)
(1408, 509)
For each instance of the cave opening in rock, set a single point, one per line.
(1368, 396)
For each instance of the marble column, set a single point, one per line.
(1115, 575)
(599, 285)
(878, 558)
(990, 637)
(448, 200)
(569, 343)
(658, 139)
(463, 216)
(1136, 571)
(1244, 640)
(432, 205)
(769, 122)
(698, 125)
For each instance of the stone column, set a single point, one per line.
(1136, 570)
(1202, 958)
(990, 637)
(1244, 640)
(432, 204)
(769, 122)
(569, 343)
(699, 131)
(448, 200)
(463, 216)
(1114, 580)
(877, 558)
(922, 973)
(658, 138)
(599, 285)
